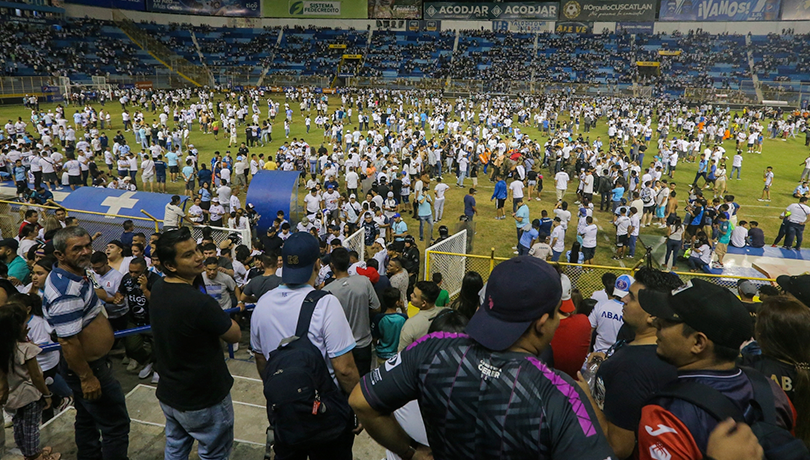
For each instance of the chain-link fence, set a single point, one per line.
(451, 268)
(356, 242)
(586, 278)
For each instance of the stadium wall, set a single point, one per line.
(754, 27)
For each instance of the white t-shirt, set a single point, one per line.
(622, 224)
(440, 188)
(738, 236)
(559, 234)
(565, 217)
(517, 189)
(561, 178)
(276, 316)
(589, 236)
(607, 319)
(313, 203)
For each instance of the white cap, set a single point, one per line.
(380, 241)
(566, 287)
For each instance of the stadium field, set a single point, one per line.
(786, 158)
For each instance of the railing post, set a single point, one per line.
(427, 265)
(157, 228)
(491, 260)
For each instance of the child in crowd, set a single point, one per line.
(28, 394)
(386, 326)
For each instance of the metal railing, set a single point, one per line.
(20, 86)
(586, 278)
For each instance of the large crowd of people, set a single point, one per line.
(385, 164)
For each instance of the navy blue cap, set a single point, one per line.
(299, 253)
(519, 291)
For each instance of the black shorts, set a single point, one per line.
(693, 229)
(75, 180)
(160, 178)
(501, 203)
(649, 209)
(587, 253)
(49, 177)
(190, 185)
(174, 169)
(621, 240)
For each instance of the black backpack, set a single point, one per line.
(304, 405)
(776, 441)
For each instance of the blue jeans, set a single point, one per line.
(429, 220)
(673, 247)
(697, 264)
(212, 427)
(794, 231)
(102, 426)
(735, 168)
(555, 256)
(631, 245)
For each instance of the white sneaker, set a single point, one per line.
(132, 365)
(236, 347)
(8, 420)
(155, 377)
(145, 372)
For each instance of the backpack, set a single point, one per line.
(776, 442)
(304, 405)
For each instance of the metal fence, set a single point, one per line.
(26, 85)
(586, 278)
(104, 227)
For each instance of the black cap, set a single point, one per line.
(512, 302)
(10, 243)
(797, 286)
(705, 307)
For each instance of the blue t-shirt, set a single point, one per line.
(469, 204)
(545, 225)
(188, 171)
(618, 192)
(424, 207)
(160, 168)
(204, 175)
(522, 211)
(19, 173)
(172, 157)
(527, 237)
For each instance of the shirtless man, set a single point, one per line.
(86, 338)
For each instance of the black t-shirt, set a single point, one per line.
(757, 237)
(271, 243)
(136, 300)
(187, 325)
(477, 403)
(626, 380)
(784, 374)
(256, 287)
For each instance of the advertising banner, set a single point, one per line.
(719, 10)
(608, 10)
(520, 26)
(669, 52)
(490, 11)
(648, 64)
(635, 27)
(134, 5)
(574, 28)
(146, 84)
(328, 9)
(224, 8)
(395, 9)
(795, 10)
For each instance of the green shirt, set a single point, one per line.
(19, 269)
(443, 299)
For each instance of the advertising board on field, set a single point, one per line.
(635, 27)
(490, 11)
(520, 26)
(719, 10)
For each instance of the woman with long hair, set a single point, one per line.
(467, 301)
(674, 242)
(782, 332)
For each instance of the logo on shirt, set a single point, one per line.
(662, 429)
(659, 452)
(393, 362)
(488, 370)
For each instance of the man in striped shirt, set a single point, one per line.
(73, 309)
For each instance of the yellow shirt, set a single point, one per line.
(412, 311)
(270, 166)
